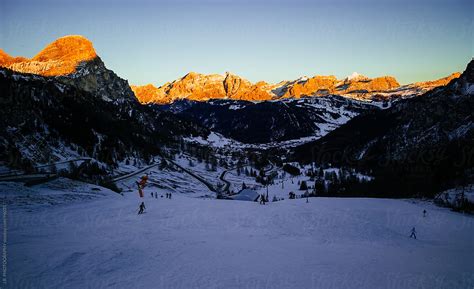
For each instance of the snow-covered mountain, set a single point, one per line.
(50, 113)
(271, 122)
(287, 113)
(423, 144)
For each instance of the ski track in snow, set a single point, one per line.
(189, 242)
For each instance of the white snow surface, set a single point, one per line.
(215, 140)
(186, 242)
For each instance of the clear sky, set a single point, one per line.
(159, 41)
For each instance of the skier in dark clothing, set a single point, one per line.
(141, 208)
(262, 200)
(170, 196)
(424, 213)
(413, 233)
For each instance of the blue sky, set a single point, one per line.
(159, 41)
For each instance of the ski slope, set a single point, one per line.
(94, 238)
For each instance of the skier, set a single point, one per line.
(156, 195)
(262, 199)
(424, 213)
(413, 233)
(141, 208)
(170, 196)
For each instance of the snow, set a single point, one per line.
(354, 75)
(246, 195)
(202, 243)
(60, 87)
(452, 195)
(236, 107)
(470, 88)
(162, 181)
(215, 140)
(200, 168)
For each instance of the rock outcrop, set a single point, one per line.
(72, 60)
(61, 57)
(200, 87)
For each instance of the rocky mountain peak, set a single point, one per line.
(202, 87)
(61, 57)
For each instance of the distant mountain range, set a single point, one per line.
(65, 56)
(64, 103)
(201, 87)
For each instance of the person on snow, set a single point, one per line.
(156, 195)
(413, 233)
(262, 199)
(170, 196)
(424, 213)
(141, 208)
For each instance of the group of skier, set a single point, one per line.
(262, 197)
(141, 185)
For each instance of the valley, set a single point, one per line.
(317, 182)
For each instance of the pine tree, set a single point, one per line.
(303, 186)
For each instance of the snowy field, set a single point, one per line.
(96, 240)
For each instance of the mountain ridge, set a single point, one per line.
(419, 145)
(203, 87)
(69, 54)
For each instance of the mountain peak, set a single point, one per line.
(74, 48)
(61, 57)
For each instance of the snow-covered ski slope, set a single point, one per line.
(97, 240)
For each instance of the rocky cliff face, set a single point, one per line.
(61, 57)
(200, 87)
(72, 60)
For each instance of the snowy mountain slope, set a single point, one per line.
(201, 243)
(419, 145)
(275, 123)
(47, 119)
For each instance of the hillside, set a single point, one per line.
(90, 112)
(420, 145)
